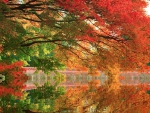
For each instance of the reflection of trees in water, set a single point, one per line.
(134, 78)
(80, 78)
(100, 99)
(41, 99)
(129, 99)
(72, 78)
(2, 78)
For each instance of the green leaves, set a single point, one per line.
(148, 64)
(148, 92)
(47, 64)
(126, 37)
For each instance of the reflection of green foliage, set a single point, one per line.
(11, 104)
(59, 78)
(8, 78)
(46, 91)
(3, 7)
(41, 99)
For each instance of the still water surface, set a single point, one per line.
(76, 78)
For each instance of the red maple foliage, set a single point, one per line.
(14, 79)
(4, 1)
(121, 25)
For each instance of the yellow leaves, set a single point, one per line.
(129, 99)
(72, 97)
(114, 69)
(79, 109)
(25, 63)
(113, 82)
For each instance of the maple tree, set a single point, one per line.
(87, 35)
(14, 48)
(118, 33)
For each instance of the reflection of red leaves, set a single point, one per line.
(15, 86)
(4, 91)
(121, 77)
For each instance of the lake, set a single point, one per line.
(81, 78)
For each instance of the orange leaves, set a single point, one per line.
(94, 83)
(117, 31)
(113, 83)
(72, 99)
(94, 72)
(129, 99)
(87, 38)
(121, 77)
(138, 101)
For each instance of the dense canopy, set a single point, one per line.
(85, 35)
(81, 34)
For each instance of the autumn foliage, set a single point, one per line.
(14, 79)
(84, 35)
(116, 32)
(4, 1)
(129, 99)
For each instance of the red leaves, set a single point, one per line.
(73, 5)
(108, 21)
(5, 91)
(4, 1)
(115, 11)
(15, 73)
